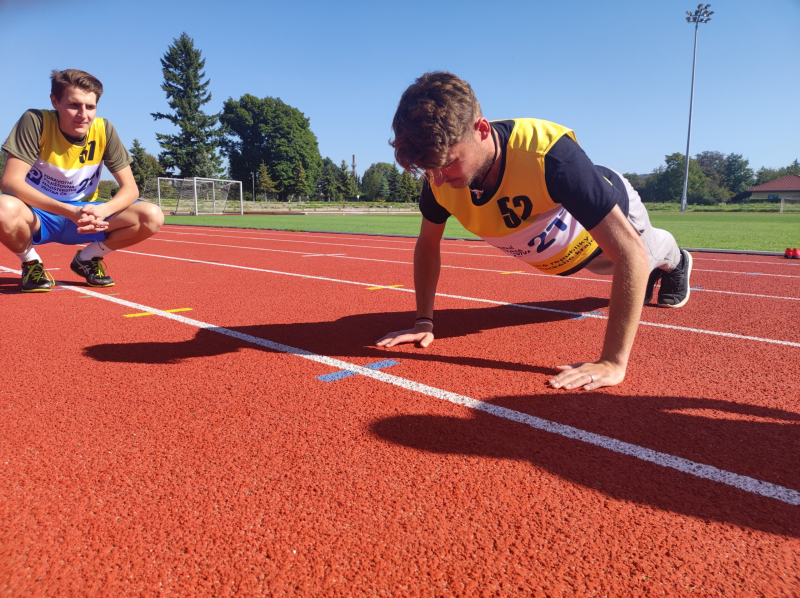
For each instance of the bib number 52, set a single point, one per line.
(510, 217)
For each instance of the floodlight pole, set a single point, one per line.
(701, 15)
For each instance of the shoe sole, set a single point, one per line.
(688, 283)
(36, 290)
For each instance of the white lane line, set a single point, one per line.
(472, 299)
(520, 273)
(495, 255)
(700, 470)
(779, 261)
(475, 243)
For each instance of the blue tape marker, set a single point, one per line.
(753, 273)
(698, 289)
(347, 373)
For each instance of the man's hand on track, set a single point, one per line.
(421, 334)
(588, 376)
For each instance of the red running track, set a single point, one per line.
(187, 453)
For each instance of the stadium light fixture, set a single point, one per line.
(701, 15)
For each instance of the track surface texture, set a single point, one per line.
(198, 453)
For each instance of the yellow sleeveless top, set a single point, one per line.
(67, 172)
(521, 218)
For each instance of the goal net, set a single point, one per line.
(790, 204)
(195, 196)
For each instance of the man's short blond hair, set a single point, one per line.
(436, 112)
(60, 80)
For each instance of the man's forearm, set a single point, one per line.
(36, 199)
(125, 197)
(625, 306)
(427, 265)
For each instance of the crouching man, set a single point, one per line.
(49, 185)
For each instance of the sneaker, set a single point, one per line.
(35, 279)
(788, 254)
(796, 253)
(655, 275)
(92, 270)
(675, 286)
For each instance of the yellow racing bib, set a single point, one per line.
(67, 172)
(521, 219)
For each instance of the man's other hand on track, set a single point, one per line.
(421, 334)
(588, 376)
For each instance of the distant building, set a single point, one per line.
(787, 187)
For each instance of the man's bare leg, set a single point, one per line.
(17, 224)
(133, 225)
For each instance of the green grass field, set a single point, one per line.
(713, 230)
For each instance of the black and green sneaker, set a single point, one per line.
(92, 270)
(35, 279)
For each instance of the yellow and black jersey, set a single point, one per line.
(63, 168)
(548, 196)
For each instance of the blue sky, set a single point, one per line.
(617, 73)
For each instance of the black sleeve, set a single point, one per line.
(430, 208)
(588, 192)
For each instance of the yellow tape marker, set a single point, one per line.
(515, 272)
(391, 286)
(150, 313)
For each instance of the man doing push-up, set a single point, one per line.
(527, 187)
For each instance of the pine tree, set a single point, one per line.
(192, 152)
(299, 185)
(144, 165)
(393, 180)
(265, 182)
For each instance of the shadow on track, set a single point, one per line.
(354, 336)
(764, 447)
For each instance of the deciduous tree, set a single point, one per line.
(270, 131)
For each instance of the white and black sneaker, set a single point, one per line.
(675, 286)
(92, 270)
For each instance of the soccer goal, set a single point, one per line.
(790, 204)
(195, 196)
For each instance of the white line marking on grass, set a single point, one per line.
(473, 299)
(699, 470)
(519, 272)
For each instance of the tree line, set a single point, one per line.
(266, 142)
(714, 178)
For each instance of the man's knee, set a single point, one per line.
(12, 213)
(151, 217)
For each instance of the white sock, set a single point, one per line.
(29, 255)
(96, 249)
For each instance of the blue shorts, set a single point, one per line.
(59, 229)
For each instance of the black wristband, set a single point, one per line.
(424, 318)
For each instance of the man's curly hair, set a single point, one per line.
(436, 112)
